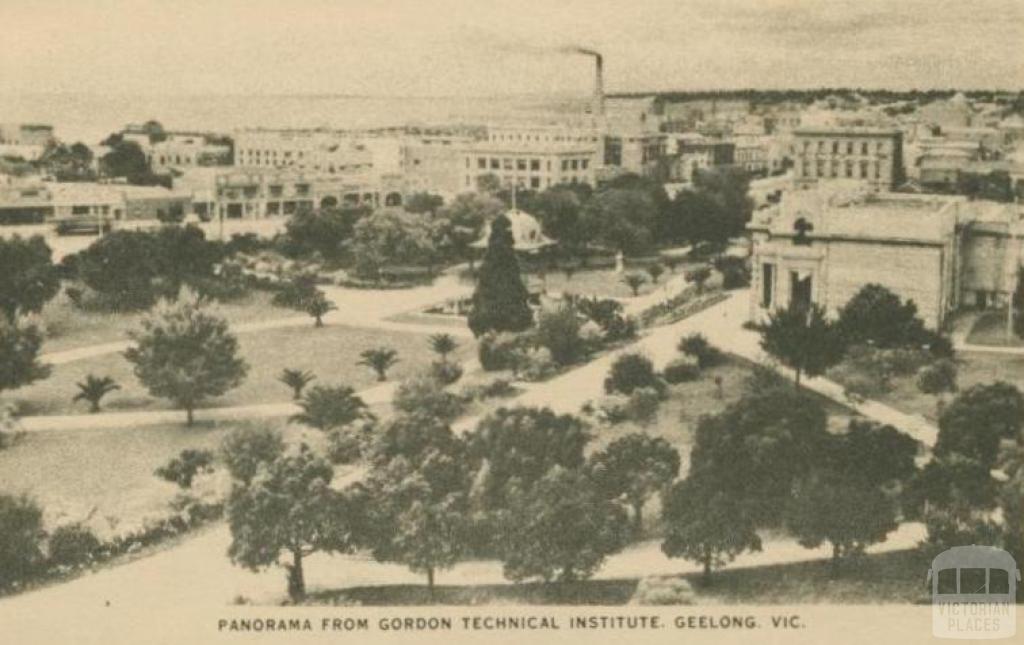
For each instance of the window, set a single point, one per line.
(767, 284)
(835, 147)
(849, 147)
(507, 164)
(864, 148)
(534, 182)
(863, 170)
(495, 164)
(565, 164)
(574, 164)
(947, 581)
(521, 164)
(535, 164)
(481, 163)
(849, 168)
(584, 163)
(998, 581)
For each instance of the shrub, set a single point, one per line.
(297, 292)
(681, 370)
(558, 330)
(497, 351)
(735, 272)
(325, 407)
(663, 590)
(346, 445)
(632, 371)
(613, 409)
(246, 448)
(424, 395)
(697, 346)
(537, 364)
(496, 388)
(21, 535)
(445, 373)
(607, 313)
(73, 545)
(643, 405)
(183, 469)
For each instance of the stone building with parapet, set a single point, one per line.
(942, 252)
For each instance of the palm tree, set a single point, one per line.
(380, 359)
(318, 306)
(93, 389)
(325, 407)
(443, 344)
(297, 380)
(634, 281)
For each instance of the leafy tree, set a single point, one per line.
(633, 468)
(697, 346)
(296, 380)
(954, 483)
(632, 371)
(182, 470)
(425, 395)
(622, 219)
(655, 271)
(72, 545)
(878, 316)
(560, 527)
(28, 277)
(802, 339)
(443, 345)
(318, 306)
(297, 292)
(634, 281)
(289, 507)
(126, 159)
(419, 513)
(326, 407)
(186, 354)
(827, 507)
(707, 525)
(500, 299)
(699, 277)
(93, 389)
(977, 421)
(466, 216)
(423, 202)
(390, 236)
(380, 360)
(325, 231)
(520, 445)
(558, 330)
(755, 448)
(246, 449)
(19, 355)
(68, 163)
(21, 537)
(559, 210)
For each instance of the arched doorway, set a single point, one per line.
(329, 202)
(393, 199)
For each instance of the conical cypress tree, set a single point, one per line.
(499, 302)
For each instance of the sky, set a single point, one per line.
(484, 47)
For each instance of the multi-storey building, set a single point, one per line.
(871, 155)
(182, 150)
(319, 151)
(26, 134)
(534, 167)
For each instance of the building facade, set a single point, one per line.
(819, 247)
(871, 155)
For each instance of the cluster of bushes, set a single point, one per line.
(682, 305)
(564, 335)
(28, 552)
(130, 270)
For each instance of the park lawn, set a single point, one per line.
(888, 578)
(330, 352)
(589, 592)
(897, 577)
(975, 368)
(67, 327)
(71, 473)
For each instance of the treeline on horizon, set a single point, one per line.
(810, 95)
